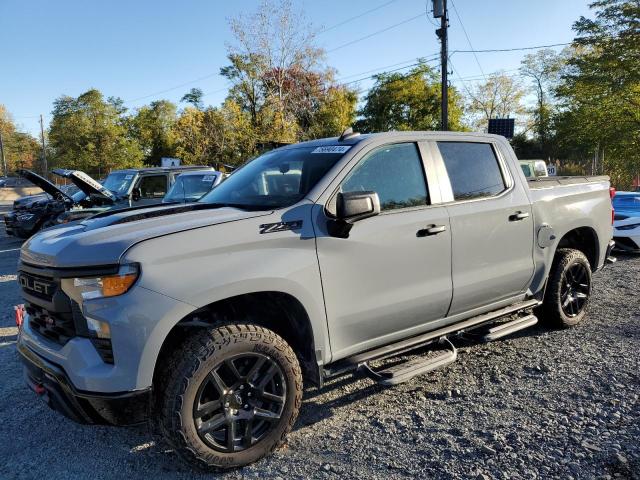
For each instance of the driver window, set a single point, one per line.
(154, 186)
(395, 173)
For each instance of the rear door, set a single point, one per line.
(390, 277)
(491, 225)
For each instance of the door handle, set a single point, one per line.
(431, 230)
(518, 216)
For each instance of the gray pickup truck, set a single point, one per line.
(311, 261)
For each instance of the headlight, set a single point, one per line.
(629, 227)
(87, 288)
(25, 217)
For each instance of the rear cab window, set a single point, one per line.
(473, 169)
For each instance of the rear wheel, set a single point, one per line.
(568, 289)
(231, 397)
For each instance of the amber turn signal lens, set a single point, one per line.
(117, 284)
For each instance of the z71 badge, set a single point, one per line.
(280, 226)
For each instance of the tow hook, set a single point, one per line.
(19, 313)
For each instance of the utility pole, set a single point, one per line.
(440, 11)
(44, 153)
(4, 160)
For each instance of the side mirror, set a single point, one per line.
(135, 194)
(350, 208)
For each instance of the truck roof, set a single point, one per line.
(165, 169)
(356, 138)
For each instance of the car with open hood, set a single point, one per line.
(121, 189)
(32, 212)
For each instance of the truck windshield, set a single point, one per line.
(190, 187)
(276, 179)
(119, 182)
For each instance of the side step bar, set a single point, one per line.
(420, 340)
(508, 328)
(406, 371)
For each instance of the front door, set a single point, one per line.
(153, 188)
(390, 277)
(491, 224)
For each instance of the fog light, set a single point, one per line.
(98, 328)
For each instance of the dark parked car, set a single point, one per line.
(34, 212)
(120, 189)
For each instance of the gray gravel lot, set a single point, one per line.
(541, 404)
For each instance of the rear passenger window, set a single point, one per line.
(395, 173)
(473, 169)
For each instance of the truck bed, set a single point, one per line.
(548, 182)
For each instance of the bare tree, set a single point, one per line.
(500, 96)
(544, 68)
(275, 52)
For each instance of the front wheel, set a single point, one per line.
(568, 289)
(232, 396)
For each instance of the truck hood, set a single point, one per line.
(44, 184)
(85, 183)
(103, 239)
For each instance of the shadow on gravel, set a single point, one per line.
(313, 412)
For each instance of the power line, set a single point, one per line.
(464, 85)
(468, 39)
(376, 69)
(512, 49)
(391, 71)
(160, 92)
(403, 77)
(375, 33)
(355, 17)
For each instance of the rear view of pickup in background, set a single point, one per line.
(311, 261)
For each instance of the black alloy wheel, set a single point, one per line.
(239, 402)
(568, 289)
(575, 289)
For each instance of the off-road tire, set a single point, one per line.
(189, 368)
(553, 313)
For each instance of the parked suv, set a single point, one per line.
(311, 261)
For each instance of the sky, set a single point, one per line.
(145, 50)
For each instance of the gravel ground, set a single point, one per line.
(539, 404)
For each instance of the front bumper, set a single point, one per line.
(52, 384)
(19, 228)
(629, 243)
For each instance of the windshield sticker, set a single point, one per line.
(208, 178)
(332, 149)
(128, 177)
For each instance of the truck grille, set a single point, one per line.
(58, 326)
(55, 316)
(37, 286)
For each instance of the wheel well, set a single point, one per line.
(277, 311)
(584, 239)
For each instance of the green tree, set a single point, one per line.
(89, 133)
(408, 102)
(214, 136)
(336, 111)
(598, 125)
(21, 150)
(194, 97)
(152, 127)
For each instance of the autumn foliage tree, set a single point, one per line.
(21, 150)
